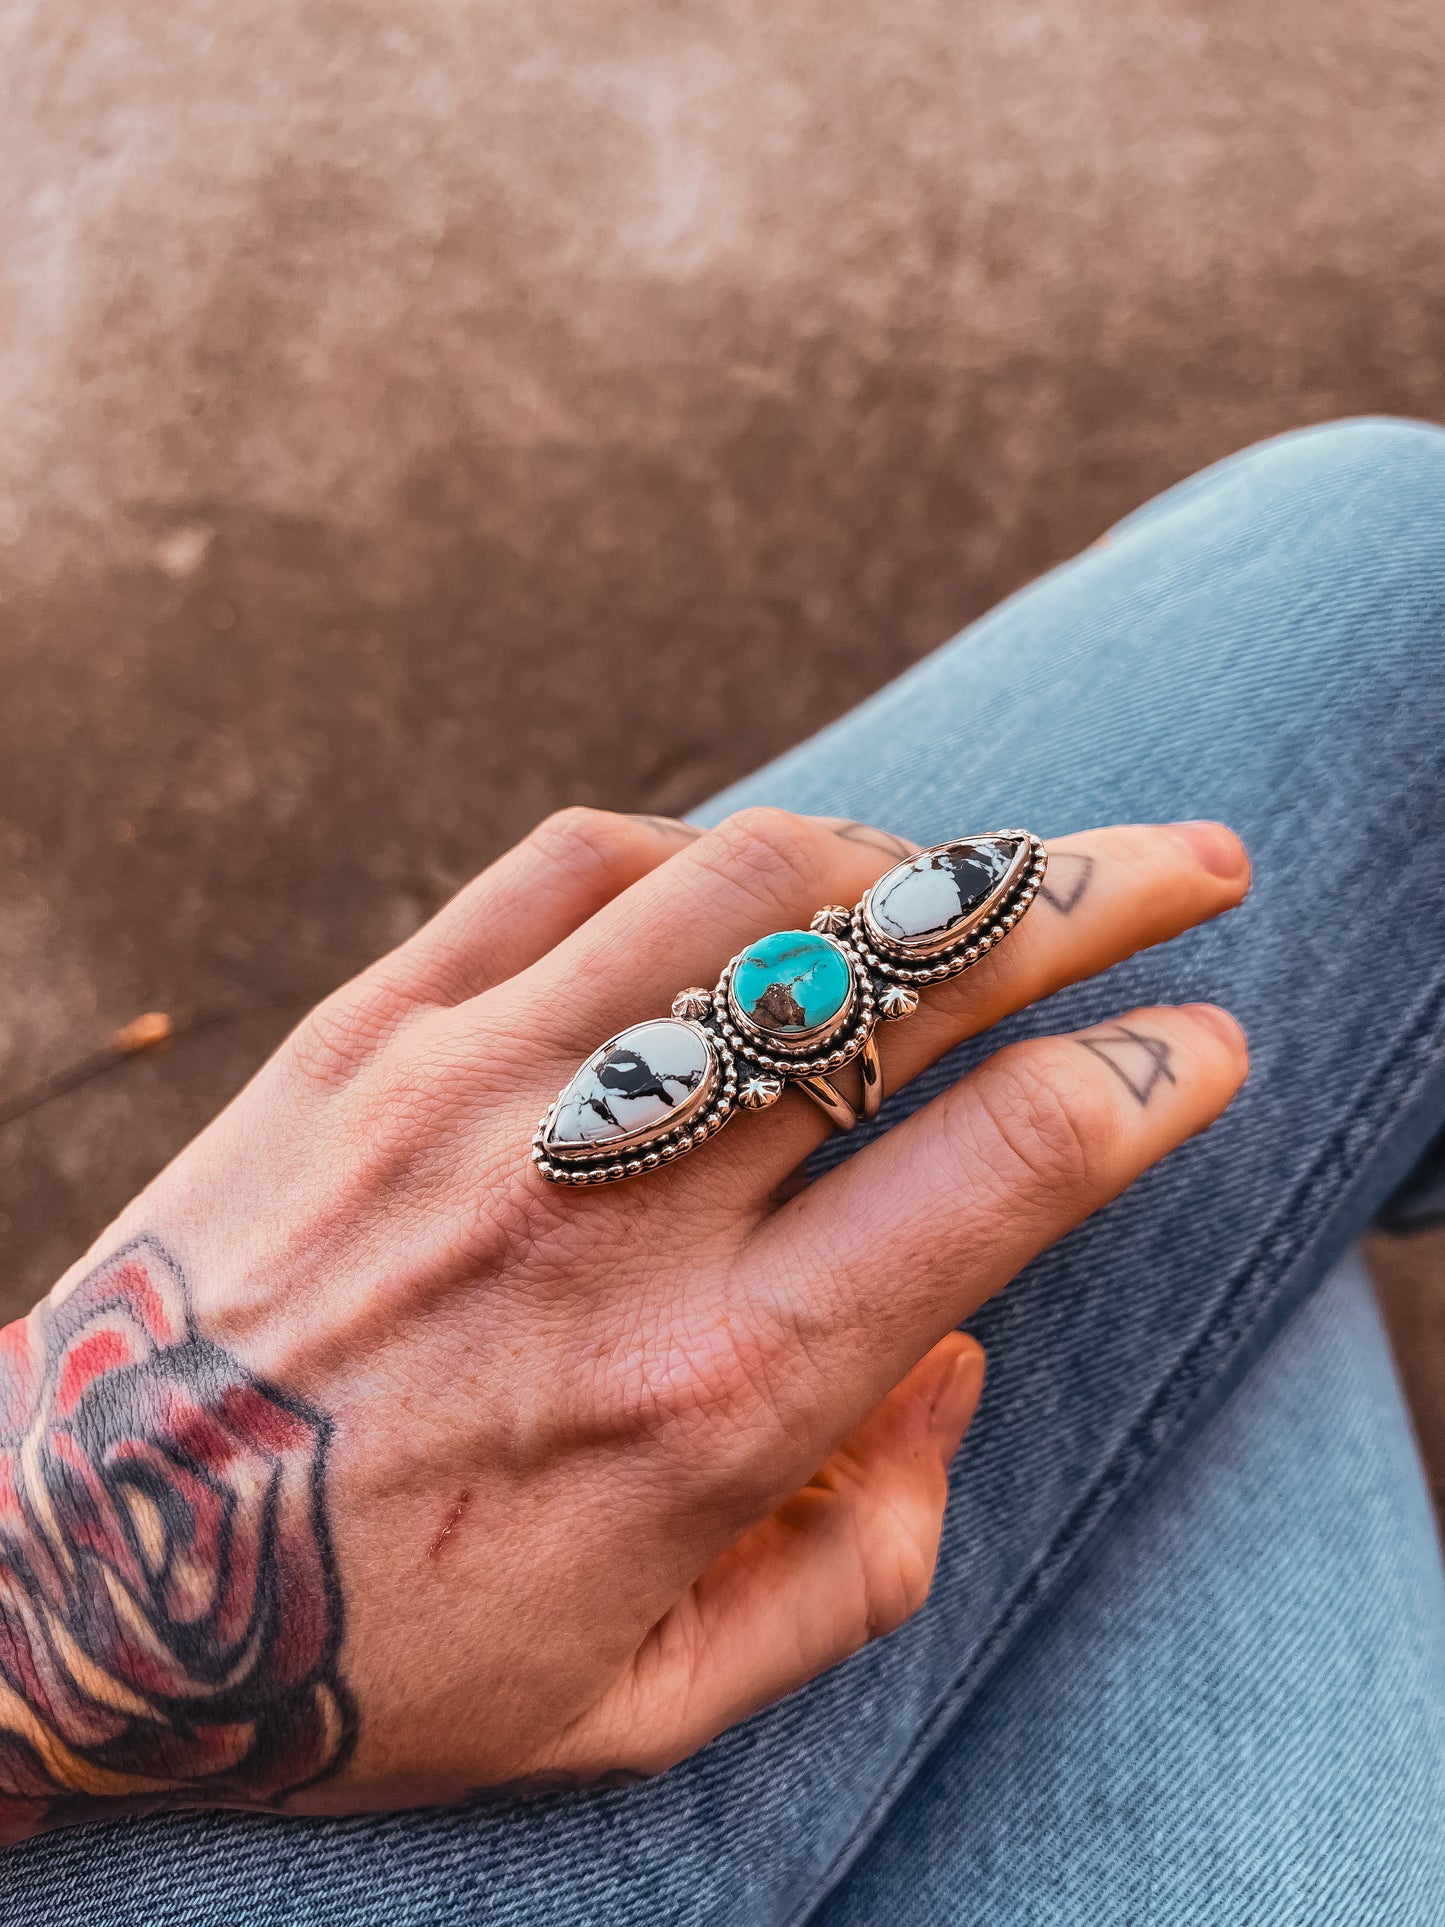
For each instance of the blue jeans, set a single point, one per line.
(1184, 1659)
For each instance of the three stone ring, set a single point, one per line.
(793, 1008)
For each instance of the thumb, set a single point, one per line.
(848, 1558)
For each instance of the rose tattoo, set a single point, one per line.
(170, 1615)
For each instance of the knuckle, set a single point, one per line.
(1143, 850)
(900, 1573)
(764, 849)
(1046, 1124)
(581, 838)
(345, 1030)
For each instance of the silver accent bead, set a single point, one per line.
(757, 1093)
(832, 920)
(694, 1002)
(897, 1000)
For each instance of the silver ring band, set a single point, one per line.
(793, 1008)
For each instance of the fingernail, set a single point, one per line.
(1214, 847)
(1227, 1029)
(957, 1397)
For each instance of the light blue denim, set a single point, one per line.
(1184, 1660)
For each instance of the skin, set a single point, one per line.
(510, 1483)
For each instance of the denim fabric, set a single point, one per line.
(1201, 1735)
(1261, 644)
(1249, 1669)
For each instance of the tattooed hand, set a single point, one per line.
(360, 1467)
(169, 1615)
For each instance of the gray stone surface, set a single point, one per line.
(652, 1076)
(925, 903)
(415, 417)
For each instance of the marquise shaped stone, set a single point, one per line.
(928, 901)
(636, 1087)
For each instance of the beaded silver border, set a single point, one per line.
(975, 943)
(841, 1047)
(607, 1167)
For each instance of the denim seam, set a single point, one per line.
(1303, 1216)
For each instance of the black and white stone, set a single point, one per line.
(642, 1083)
(928, 902)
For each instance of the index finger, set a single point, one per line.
(854, 1279)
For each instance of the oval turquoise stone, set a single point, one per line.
(792, 982)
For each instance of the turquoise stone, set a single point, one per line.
(792, 982)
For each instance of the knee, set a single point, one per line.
(1329, 540)
(1396, 464)
(1396, 468)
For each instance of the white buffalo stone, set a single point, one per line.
(646, 1079)
(923, 900)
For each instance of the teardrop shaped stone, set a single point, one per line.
(921, 902)
(638, 1085)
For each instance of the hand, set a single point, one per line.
(357, 1466)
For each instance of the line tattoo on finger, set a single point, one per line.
(1127, 1052)
(1066, 891)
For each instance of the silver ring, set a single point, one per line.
(794, 1008)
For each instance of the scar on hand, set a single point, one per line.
(464, 1499)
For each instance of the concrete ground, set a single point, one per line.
(415, 417)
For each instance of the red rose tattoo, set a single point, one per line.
(170, 1615)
